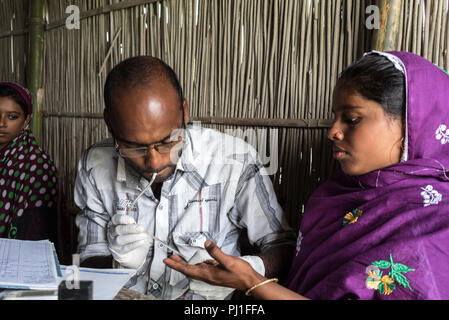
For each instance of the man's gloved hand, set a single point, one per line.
(211, 292)
(128, 241)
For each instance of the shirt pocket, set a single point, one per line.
(200, 211)
(122, 205)
(190, 245)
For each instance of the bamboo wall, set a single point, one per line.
(235, 59)
(275, 60)
(13, 40)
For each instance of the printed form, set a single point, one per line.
(27, 264)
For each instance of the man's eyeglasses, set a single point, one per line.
(162, 148)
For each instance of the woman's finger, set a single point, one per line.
(178, 259)
(176, 263)
(180, 265)
(217, 254)
(211, 262)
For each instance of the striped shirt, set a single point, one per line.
(218, 189)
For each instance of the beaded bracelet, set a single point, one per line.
(260, 284)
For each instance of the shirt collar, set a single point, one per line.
(189, 153)
(125, 173)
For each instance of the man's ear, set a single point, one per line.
(185, 107)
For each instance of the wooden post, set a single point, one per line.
(36, 64)
(386, 38)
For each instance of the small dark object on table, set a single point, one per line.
(81, 290)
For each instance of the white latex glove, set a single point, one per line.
(211, 292)
(128, 241)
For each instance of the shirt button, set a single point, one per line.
(161, 245)
(161, 207)
(155, 286)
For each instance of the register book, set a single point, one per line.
(28, 265)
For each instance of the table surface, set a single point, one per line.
(126, 294)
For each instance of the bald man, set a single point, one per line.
(161, 186)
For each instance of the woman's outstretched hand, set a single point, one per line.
(225, 270)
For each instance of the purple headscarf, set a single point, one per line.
(385, 234)
(24, 93)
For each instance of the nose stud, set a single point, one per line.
(338, 135)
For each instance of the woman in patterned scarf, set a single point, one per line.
(379, 228)
(28, 178)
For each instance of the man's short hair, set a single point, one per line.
(138, 72)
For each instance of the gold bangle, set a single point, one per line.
(260, 284)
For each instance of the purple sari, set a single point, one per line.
(385, 234)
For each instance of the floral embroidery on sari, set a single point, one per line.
(430, 196)
(352, 217)
(442, 134)
(386, 284)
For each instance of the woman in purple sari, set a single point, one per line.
(379, 228)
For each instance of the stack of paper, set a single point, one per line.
(34, 265)
(28, 265)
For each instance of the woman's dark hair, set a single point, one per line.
(8, 92)
(376, 78)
